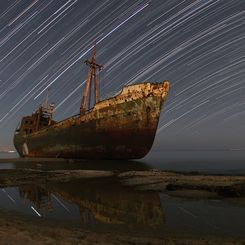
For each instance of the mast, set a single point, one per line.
(92, 78)
(45, 103)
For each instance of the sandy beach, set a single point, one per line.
(16, 229)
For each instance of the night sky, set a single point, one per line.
(198, 45)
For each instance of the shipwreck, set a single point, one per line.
(120, 127)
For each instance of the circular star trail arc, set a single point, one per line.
(196, 44)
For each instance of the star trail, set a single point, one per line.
(198, 45)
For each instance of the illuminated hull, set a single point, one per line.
(121, 127)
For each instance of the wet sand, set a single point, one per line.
(16, 229)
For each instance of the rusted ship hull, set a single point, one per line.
(122, 127)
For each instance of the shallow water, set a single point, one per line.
(219, 162)
(7, 166)
(8, 155)
(104, 204)
(204, 217)
(101, 204)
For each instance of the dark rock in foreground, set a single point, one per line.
(220, 185)
(170, 182)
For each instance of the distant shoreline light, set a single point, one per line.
(11, 151)
(7, 151)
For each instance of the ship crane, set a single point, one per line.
(92, 79)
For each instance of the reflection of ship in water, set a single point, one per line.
(38, 195)
(101, 202)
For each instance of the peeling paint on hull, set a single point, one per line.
(122, 127)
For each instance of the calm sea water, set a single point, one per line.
(223, 162)
(8, 155)
(4, 155)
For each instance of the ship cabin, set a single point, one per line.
(41, 118)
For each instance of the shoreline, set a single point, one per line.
(26, 230)
(177, 183)
(187, 184)
(34, 160)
